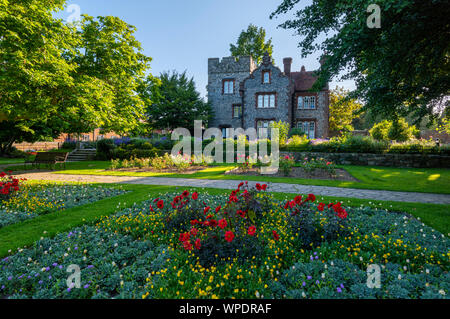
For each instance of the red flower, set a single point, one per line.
(197, 244)
(311, 197)
(185, 194)
(206, 209)
(320, 207)
(212, 223)
(160, 204)
(194, 196)
(240, 184)
(330, 204)
(258, 186)
(218, 208)
(184, 237)
(151, 208)
(292, 204)
(275, 235)
(241, 213)
(229, 236)
(194, 231)
(222, 223)
(251, 230)
(187, 245)
(298, 199)
(264, 187)
(194, 222)
(286, 206)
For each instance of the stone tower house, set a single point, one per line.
(245, 95)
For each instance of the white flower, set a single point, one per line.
(257, 294)
(303, 294)
(442, 292)
(399, 277)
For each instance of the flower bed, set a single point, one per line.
(245, 245)
(33, 200)
(166, 163)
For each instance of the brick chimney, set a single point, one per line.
(287, 65)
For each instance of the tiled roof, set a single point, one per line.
(303, 80)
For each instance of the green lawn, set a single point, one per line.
(425, 180)
(6, 161)
(27, 232)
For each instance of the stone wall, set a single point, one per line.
(280, 85)
(39, 146)
(219, 70)
(393, 160)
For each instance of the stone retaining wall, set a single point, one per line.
(394, 160)
(39, 146)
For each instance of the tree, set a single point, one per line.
(55, 78)
(343, 110)
(34, 75)
(400, 68)
(172, 102)
(252, 42)
(110, 57)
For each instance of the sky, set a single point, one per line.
(182, 34)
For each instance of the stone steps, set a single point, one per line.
(81, 155)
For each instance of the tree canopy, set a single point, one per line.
(342, 110)
(172, 102)
(56, 78)
(400, 68)
(252, 42)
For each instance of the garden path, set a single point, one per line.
(232, 184)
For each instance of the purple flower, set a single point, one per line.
(342, 286)
(40, 282)
(317, 282)
(10, 278)
(304, 284)
(339, 290)
(55, 264)
(309, 277)
(90, 266)
(86, 287)
(69, 289)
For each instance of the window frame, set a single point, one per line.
(306, 101)
(264, 97)
(268, 121)
(233, 114)
(233, 87)
(308, 122)
(263, 73)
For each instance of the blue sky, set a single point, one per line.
(182, 34)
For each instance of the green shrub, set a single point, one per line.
(105, 149)
(394, 130)
(297, 143)
(295, 131)
(380, 130)
(70, 145)
(283, 128)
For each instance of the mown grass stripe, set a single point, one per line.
(27, 232)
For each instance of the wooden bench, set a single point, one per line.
(48, 158)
